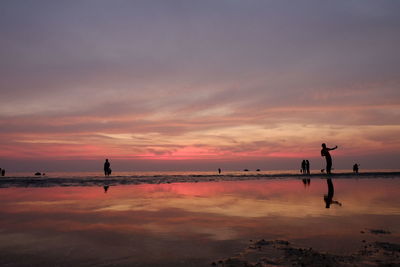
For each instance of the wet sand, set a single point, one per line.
(283, 253)
(198, 224)
(49, 181)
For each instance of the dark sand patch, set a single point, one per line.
(379, 232)
(282, 253)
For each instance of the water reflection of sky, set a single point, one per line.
(189, 223)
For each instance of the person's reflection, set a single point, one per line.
(306, 182)
(106, 188)
(329, 197)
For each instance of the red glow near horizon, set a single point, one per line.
(65, 151)
(81, 151)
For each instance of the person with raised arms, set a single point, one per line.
(325, 153)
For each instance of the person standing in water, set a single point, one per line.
(107, 168)
(325, 153)
(355, 168)
(303, 167)
(308, 167)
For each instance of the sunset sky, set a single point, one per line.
(195, 85)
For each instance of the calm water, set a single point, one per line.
(190, 224)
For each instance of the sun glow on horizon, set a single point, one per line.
(251, 141)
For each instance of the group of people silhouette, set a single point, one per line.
(305, 167)
(305, 164)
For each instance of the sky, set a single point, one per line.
(197, 85)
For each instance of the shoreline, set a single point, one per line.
(48, 181)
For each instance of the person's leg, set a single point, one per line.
(328, 165)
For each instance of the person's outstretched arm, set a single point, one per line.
(333, 148)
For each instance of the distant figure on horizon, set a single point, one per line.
(355, 168)
(107, 170)
(303, 167)
(308, 167)
(329, 197)
(219, 170)
(325, 153)
(3, 172)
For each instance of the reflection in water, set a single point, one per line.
(106, 188)
(329, 197)
(187, 224)
(306, 182)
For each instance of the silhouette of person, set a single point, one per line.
(329, 197)
(107, 169)
(307, 166)
(303, 167)
(219, 170)
(355, 168)
(325, 153)
(3, 172)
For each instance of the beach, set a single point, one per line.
(255, 219)
(132, 178)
